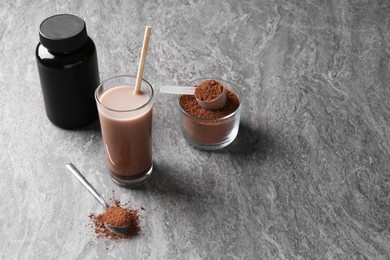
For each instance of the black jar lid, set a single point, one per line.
(63, 33)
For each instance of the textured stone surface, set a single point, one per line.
(308, 176)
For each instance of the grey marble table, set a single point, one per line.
(308, 176)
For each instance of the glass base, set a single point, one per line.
(215, 146)
(131, 183)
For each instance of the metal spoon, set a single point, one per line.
(122, 231)
(217, 103)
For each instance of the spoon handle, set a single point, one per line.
(86, 184)
(177, 90)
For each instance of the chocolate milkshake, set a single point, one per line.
(126, 123)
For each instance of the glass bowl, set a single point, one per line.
(210, 134)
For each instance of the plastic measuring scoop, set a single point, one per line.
(214, 104)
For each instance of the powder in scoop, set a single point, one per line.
(208, 90)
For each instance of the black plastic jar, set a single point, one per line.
(68, 71)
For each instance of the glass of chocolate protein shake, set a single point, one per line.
(126, 124)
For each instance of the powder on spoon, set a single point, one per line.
(116, 216)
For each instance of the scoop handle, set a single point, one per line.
(178, 90)
(86, 184)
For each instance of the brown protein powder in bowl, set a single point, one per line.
(205, 126)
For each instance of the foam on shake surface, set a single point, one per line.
(123, 98)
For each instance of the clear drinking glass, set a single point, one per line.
(127, 134)
(211, 134)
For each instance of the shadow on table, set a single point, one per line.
(180, 181)
(180, 185)
(195, 188)
(249, 141)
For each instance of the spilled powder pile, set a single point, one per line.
(116, 216)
